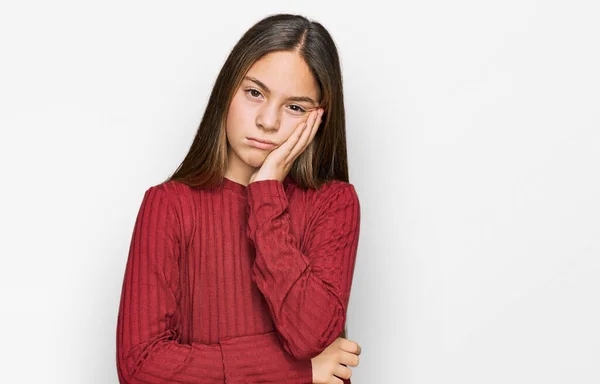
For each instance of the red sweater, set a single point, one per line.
(236, 284)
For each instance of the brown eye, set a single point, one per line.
(253, 92)
(299, 108)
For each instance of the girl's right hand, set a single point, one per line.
(329, 362)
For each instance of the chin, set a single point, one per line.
(254, 158)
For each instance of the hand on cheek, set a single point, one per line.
(279, 162)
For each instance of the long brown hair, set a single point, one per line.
(325, 158)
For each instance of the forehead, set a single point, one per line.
(286, 74)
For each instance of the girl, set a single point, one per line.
(241, 263)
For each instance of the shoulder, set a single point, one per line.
(333, 208)
(180, 200)
(331, 195)
(171, 188)
(336, 189)
(179, 194)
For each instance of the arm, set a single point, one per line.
(149, 321)
(307, 289)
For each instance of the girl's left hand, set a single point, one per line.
(279, 162)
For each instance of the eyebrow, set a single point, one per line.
(291, 98)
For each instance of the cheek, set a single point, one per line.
(289, 123)
(238, 117)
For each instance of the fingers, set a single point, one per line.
(348, 358)
(306, 134)
(350, 346)
(291, 143)
(314, 125)
(342, 372)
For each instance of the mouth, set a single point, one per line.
(261, 144)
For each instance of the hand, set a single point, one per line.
(279, 162)
(329, 362)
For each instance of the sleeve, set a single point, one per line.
(307, 287)
(149, 347)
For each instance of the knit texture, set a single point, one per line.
(236, 284)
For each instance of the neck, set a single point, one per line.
(237, 170)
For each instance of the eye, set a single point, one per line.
(300, 109)
(254, 94)
(251, 90)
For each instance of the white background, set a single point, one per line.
(474, 145)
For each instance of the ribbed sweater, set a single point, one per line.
(236, 284)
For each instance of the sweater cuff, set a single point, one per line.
(269, 188)
(261, 359)
(266, 200)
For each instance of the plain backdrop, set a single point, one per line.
(474, 145)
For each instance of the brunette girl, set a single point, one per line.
(241, 263)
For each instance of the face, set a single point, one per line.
(277, 94)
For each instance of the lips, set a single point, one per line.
(261, 140)
(261, 144)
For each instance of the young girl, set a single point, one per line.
(241, 263)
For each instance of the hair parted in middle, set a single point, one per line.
(326, 156)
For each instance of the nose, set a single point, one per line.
(268, 117)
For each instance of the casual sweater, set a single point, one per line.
(237, 284)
